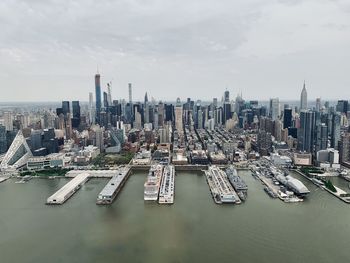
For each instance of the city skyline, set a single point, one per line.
(256, 48)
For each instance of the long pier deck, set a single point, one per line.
(113, 187)
(63, 194)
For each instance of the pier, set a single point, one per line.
(113, 187)
(340, 194)
(63, 194)
(221, 190)
(167, 187)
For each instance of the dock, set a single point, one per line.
(63, 194)
(113, 187)
(94, 173)
(167, 186)
(340, 194)
(220, 188)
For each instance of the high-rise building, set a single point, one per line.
(178, 116)
(342, 106)
(306, 133)
(68, 124)
(274, 108)
(169, 112)
(303, 98)
(76, 114)
(264, 142)
(36, 140)
(130, 93)
(226, 112)
(99, 141)
(287, 118)
(227, 96)
(65, 107)
(160, 114)
(215, 102)
(3, 140)
(8, 121)
(91, 109)
(344, 148)
(98, 97)
(335, 133)
(321, 137)
(318, 104)
(109, 92)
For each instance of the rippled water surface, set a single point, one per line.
(194, 229)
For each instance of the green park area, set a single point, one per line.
(311, 170)
(46, 172)
(104, 159)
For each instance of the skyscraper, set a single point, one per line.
(178, 116)
(8, 121)
(65, 107)
(98, 97)
(227, 96)
(105, 100)
(91, 109)
(287, 118)
(342, 106)
(303, 98)
(321, 137)
(318, 104)
(109, 92)
(306, 132)
(335, 133)
(274, 108)
(130, 93)
(3, 140)
(76, 114)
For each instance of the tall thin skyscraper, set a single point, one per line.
(178, 116)
(303, 98)
(91, 108)
(98, 97)
(130, 93)
(109, 92)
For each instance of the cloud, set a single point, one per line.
(170, 48)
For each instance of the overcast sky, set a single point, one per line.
(50, 49)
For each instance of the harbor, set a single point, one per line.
(278, 183)
(220, 188)
(167, 187)
(113, 187)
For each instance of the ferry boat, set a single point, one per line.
(167, 186)
(152, 184)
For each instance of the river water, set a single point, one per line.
(194, 229)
